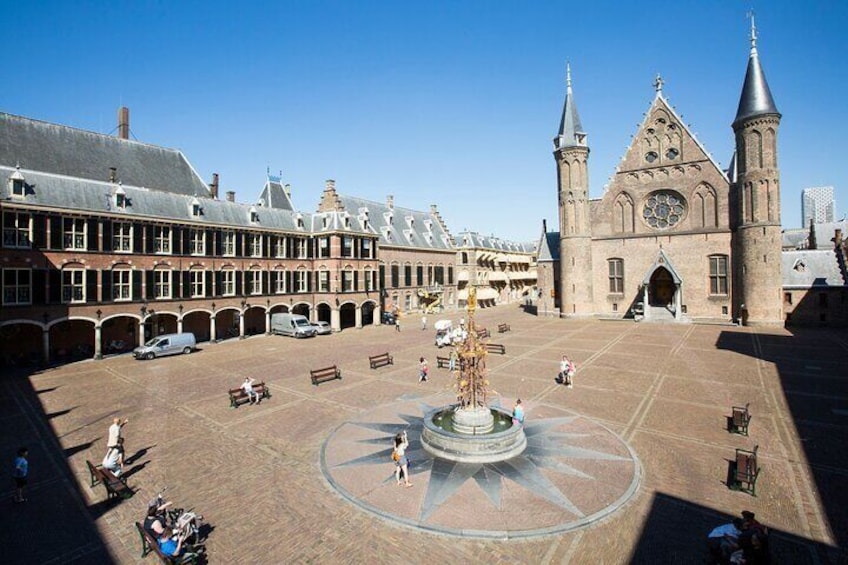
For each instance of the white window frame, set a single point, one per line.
(162, 284)
(280, 247)
(122, 237)
(323, 247)
(74, 234)
(347, 246)
(300, 280)
(198, 241)
(162, 240)
(73, 286)
(17, 293)
(228, 244)
(280, 282)
(254, 282)
(367, 277)
(197, 283)
(121, 285)
(255, 244)
(323, 280)
(347, 280)
(18, 233)
(228, 282)
(301, 248)
(366, 249)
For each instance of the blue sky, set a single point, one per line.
(447, 103)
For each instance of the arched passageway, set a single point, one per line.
(368, 313)
(118, 334)
(72, 340)
(302, 309)
(324, 313)
(21, 344)
(198, 324)
(347, 316)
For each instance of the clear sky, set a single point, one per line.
(447, 103)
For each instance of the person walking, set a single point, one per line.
(397, 322)
(423, 323)
(566, 371)
(115, 432)
(423, 370)
(20, 473)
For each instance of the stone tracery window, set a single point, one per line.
(663, 209)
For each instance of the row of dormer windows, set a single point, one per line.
(22, 230)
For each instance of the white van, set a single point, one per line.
(294, 325)
(166, 344)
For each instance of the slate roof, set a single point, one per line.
(756, 99)
(569, 125)
(274, 195)
(549, 247)
(475, 240)
(811, 268)
(92, 196)
(71, 152)
(396, 226)
(795, 238)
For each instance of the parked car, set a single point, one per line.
(388, 318)
(322, 328)
(167, 344)
(293, 325)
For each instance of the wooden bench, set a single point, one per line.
(239, 397)
(483, 333)
(739, 419)
(442, 362)
(325, 374)
(503, 328)
(150, 545)
(381, 360)
(496, 348)
(116, 487)
(746, 472)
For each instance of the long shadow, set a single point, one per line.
(59, 413)
(675, 531)
(138, 454)
(135, 469)
(69, 452)
(811, 364)
(55, 525)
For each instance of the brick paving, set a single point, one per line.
(255, 473)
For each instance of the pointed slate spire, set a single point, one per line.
(571, 132)
(756, 97)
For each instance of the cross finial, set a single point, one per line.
(568, 74)
(753, 32)
(658, 83)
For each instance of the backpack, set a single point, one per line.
(395, 456)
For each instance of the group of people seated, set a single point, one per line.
(744, 541)
(175, 532)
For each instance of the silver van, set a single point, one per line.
(166, 344)
(294, 325)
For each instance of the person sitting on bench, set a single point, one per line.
(114, 459)
(171, 543)
(154, 522)
(724, 540)
(247, 387)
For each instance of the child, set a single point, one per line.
(422, 370)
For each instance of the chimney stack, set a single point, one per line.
(434, 209)
(213, 186)
(390, 202)
(837, 237)
(231, 196)
(329, 185)
(113, 174)
(544, 226)
(123, 122)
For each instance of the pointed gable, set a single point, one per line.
(663, 141)
(663, 262)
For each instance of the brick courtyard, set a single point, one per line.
(255, 473)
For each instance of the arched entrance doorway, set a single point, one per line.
(71, 340)
(118, 334)
(661, 288)
(324, 313)
(347, 316)
(368, 313)
(21, 344)
(197, 322)
(302, 309)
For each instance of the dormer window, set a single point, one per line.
(324, 222)
(347, 221)
(800, 266)
(389, 217)
(17, 184)
(254, 215)
(410, 221)
(429, 238)
(408, 234)
(120, 198)
(299, 221)
(428, 225)
(196, 210)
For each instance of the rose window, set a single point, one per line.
(663, 210)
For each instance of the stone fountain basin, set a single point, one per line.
(467, 448)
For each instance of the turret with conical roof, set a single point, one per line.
(757, 237)
(572, 156)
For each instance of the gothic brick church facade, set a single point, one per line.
(673, 236)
